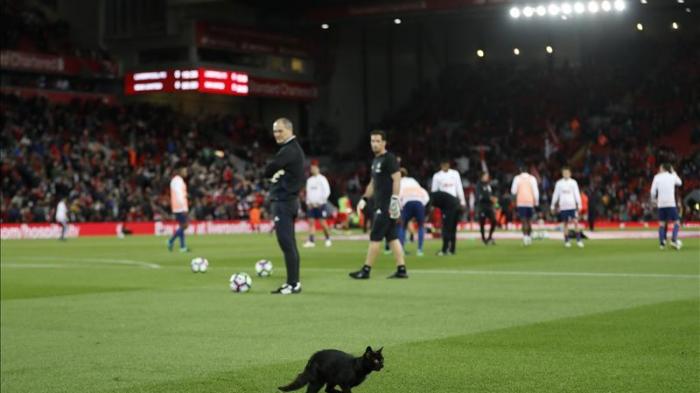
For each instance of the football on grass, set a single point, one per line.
(263, 268)
(199, 265)
(240, 282)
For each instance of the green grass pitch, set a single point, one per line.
(109, 315)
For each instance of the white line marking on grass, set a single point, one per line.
(127, 262)
(535, 273)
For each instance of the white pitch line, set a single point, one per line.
(129, 262)
(538, 274)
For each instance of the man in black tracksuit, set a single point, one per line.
(449, 207)
(286, 173)
(485, 207)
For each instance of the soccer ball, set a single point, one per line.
(240, 282)
(199, 265)
(263, 268)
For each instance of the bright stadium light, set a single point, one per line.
(549, 49)
(480, 53)
(397, 21)
(687, 9)
(564, 17)
(681, 1)
(325, 26)
(553, 9)
(674, 26)
(515, 12)
(640, 27)
(541, 10)
(606, 6)
(643, 1)
(528, 11)
(566, 9)
(593, 7)
(620, 5)
(516, 51)
(579, 8)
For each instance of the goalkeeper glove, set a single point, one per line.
(394, 207)
(361, 205)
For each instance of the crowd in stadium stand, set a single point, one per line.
(115, 162)
(598, 118)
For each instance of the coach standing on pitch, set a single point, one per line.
(384, 188)
(286, 173)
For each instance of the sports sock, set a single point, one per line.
(182, 238)
(311, 238)
(421, 236)
(493, 228)
(366, 268)
(662, 234)
(566, 237)
(674, 237)
(578, 236)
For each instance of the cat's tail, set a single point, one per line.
(300, 381)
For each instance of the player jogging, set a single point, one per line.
(317, 192)
(663, 192)
(449, 181)
(286, 173)
(413, 199)
(567, 198)
(384, 187)
(178, 204)
(527, 196)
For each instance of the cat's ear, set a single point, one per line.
(380, 350)
(368, 350)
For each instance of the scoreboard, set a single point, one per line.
(203, 80)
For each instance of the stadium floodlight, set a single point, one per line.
(619, 5)
(643, 1)
(515, 12)
(687, 9)
(397, 21)
(528, 11)
(553, 9)
(541, 10)
(549, 49)
(566, 9)
(325, 26)
(640, 27)
(606, 6)
(593, 7)
(516, 51)
(579, 8)
(564, 17)
(681, 1)
(674, 26)
(480, 53)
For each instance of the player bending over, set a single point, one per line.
(413, 200)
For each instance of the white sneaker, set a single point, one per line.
(677, 244)
(329, 243)
(567, 244)
(309, 244)
(579, 244)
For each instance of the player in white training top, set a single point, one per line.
(567, 199)
(317, 192)
(62, 217)
(663, 192)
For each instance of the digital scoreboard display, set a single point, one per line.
(203, 80)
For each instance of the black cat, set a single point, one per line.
(333, 368)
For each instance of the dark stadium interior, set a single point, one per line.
(612, 100)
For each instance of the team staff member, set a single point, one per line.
(449, 181)
(384, 188)
(449, 207)
(317, 192)
(286, 173)
(484, 195)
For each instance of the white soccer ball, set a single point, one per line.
(263, 268)
(240, 282)
(199, 265)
